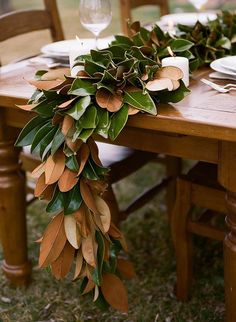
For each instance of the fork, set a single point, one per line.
(221, 89)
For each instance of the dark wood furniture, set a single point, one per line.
(199, 187)
(202, 127)
(126, 7)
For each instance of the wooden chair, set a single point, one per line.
(126, 7)
(23, 21)
(198, 188)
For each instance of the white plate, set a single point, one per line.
(216, 65)
(188, 18)
(62, 48)
(229, 63)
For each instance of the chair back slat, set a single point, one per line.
(126, 7)
(20, 22)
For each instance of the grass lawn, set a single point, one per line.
(151, 293)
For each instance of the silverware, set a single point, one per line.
(221, 89)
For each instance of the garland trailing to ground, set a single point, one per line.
(113, 84)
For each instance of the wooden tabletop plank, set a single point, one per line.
(204, 112)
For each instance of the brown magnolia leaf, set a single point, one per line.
(114, 292)
(62, 265)
(38, 171)
(83, 156)
(88, 250)
(57, 119)
(176, 84)
(46, 85)
(123, 243)
(64, 88)
(98, 186)
(88, 197)
(105, 212)
(54, 167)
(132, 110)
(126, 268)
(74, 146)
(27, 107)
(48, 192)
(114, 231)
(94, 151)
(160, 84)
(56, 74)
(67, 124)
(106, 99)
(81, 218)
(90, 285)
(144, 77)
(154, 38)
(82, 73)
(170, 72)
(96, 293)
(71, 230)
(67, 180)
(78, 264)
(54, 239)
(40, 186)
(67, 103)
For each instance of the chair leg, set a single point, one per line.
(173, 169)
(182, 239)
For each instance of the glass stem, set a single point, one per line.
(96, 42)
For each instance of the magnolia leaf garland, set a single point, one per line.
(115, 82)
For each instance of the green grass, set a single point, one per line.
(151, 293)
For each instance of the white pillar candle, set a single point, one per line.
(180, 62)
(77, 49)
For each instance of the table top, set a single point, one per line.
(204, 112)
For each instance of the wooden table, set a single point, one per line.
(202, 127)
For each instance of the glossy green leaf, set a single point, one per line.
(79, 108)
(82, 88)
(175, 96)
(40, 136)
(141, 101)
(85, 134)
(118, 121)
(72, 163)
(58, 140)
(89, 119)
(28, 133)
(72, 200)
(56, 203)
(97, 273)
(179, 45)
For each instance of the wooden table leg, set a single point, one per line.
(12, 216)
(227, 177)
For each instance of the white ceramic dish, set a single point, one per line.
(62, 48)
(188, 18)
(217, 66)
(229, 63)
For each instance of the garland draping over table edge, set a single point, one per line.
(122, 80)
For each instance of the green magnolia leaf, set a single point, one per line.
(89, 119)
(72, 163)
(91, 67)
(72, 200)
(123, 40)
(89, 172)
(28, 133)
(56, 203)
(141, 101)
(101, 303)
(58, 140)
(97, 273)
(82, 88)
(175, 96)
(45, 108)
(79, 108)
(179, 45)
(85, 134)
(43, 138)
(118, 121)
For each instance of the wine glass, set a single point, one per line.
(198, 4)
(95, 15)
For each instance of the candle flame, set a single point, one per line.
(170, 51)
